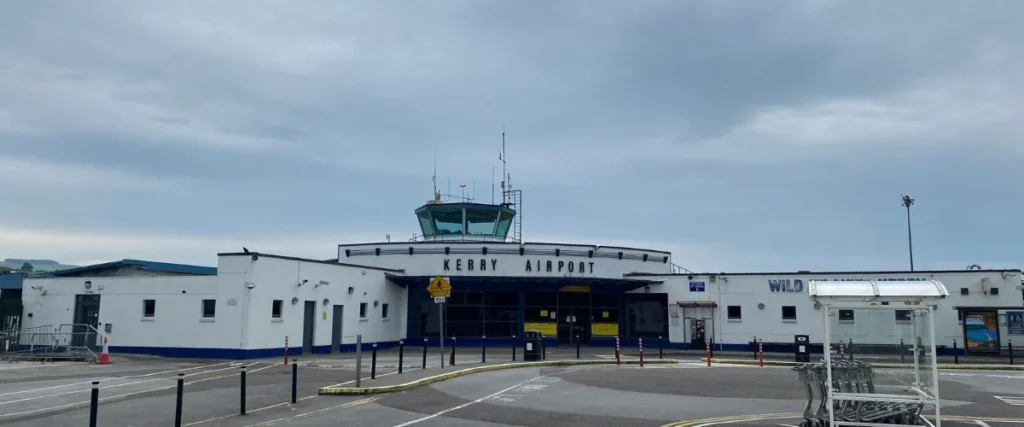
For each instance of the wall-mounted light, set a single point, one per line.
(351, 290)
(303, 282)
(326, 301)
(88, 284)
(295, 300)
(322, 283)
(376, 303)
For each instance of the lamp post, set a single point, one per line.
(907, 203)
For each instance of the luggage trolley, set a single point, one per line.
(849, 391)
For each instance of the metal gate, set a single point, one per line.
(10, 315)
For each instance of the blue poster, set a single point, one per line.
(696, 286)
(1015, 322)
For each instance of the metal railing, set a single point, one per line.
(67, 342)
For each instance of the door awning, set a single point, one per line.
(697, 304)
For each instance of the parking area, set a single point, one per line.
(143, 393)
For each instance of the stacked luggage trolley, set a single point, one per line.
(853, 392)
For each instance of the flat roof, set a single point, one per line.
(808, 272)
(162, 267)
(317, 261)
(485, 242)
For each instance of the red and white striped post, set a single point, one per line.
(842, 350)
(285, 349)
(618, 361)
(760, 353)
(641, 352)
(707, 352)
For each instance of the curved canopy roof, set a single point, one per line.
(872, 290)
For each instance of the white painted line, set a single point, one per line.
(367, 378)
(112, 379)
(492, 395)
(102, 399)
(981, 423)
(1011, 400)
(306, 414)
(102, 387)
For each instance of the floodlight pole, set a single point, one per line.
(908, 202)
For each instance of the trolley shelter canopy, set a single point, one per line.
(871, 292)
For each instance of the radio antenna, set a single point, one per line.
(501, 156)
(433, 179)
(492, 183)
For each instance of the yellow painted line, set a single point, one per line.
(943, 366)
(478, 369)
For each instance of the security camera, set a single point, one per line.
(250, 285)
(255, 257)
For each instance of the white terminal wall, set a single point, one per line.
(747, 291)
(503, 259)
(243, 319)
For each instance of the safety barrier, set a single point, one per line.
(67, 342)
(850, 376)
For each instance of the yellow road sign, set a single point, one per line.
(439, 287)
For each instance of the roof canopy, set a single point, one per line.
(867, 291)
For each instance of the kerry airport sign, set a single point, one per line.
(530, 266)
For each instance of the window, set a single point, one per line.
(362, 310)
(789, 312)
(275, 310)
(846, 315)
(148, 307)
(994, 291)
(903, 315)
(734, 312)
(965, 291)
(384, 311)
(209, 308)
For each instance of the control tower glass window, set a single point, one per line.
(504, 222)
(447, 220)
(480, 222)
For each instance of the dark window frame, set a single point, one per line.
(903, 316)
(846, 315)
(362, 310)
(729, 314)
(384, 310)
(209, 306)
(148, 308)
(784, 317)
(277, 309)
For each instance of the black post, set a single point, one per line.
(401, 352)
(181, 395)
(454, 341)
(661, 347)
(543, 349)
(373, 362)
(907, 202)
(577, 346)
(514, 345)
(902, 357)
(483, 349)
(849, 348)
(956, 353)
(753, 345)
(1010, 343)
(242, 402)
(295, 383)
(94, 406)
(424, 353)
(711, 345)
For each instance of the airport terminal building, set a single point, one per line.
(252, 302)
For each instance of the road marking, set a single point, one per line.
(112, 379)
(981, 423)
(236, 414)
(102, 387)
(306, 414)
(103, 399)
(1011, 400)
(490, 396)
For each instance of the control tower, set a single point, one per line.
(464, 221)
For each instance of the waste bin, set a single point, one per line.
(532, 342)
(802, 348)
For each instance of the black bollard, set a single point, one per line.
(483, 349)
(424, 353)
(544, 349)
(94, 405)
(577, 346)
(295, 383)
(401, 352)
(181, 395)
(753, 347)
(849, 348)
(661, 347)
(956, 353)
(711, 347)
(373, 362)
(242, 402)
(514, 345)
(454, 340)
(902, 357)
(1010, 343)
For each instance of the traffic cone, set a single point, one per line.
(105, 354)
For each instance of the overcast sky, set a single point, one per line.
(740, 136)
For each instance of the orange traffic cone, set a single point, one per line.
(105, 354)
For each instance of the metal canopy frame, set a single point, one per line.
(870, 295)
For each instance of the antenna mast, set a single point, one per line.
(501, 157)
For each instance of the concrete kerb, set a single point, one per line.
(338, 391)
(944, 366)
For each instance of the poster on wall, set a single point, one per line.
(981, 331)
(1015, 322)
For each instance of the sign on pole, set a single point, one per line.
(439, 288)
(439, 300)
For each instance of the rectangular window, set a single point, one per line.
(384, 311)
(362, 310)
(845, 315)
(275, 310)
(209, 308)
(789, 312)
(903, 315)
(148, 308)
(734, 312)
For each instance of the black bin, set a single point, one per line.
(532, 342)
(802, 348)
